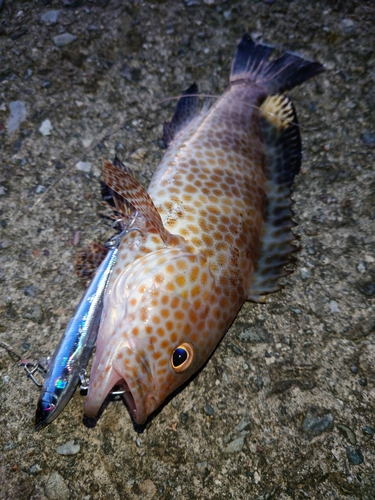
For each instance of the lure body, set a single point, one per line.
(214, 231)
(75, 347)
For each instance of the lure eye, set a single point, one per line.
(182, 357)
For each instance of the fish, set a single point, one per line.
(214, 229)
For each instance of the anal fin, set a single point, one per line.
(282, 144)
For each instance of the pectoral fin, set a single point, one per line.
(130, 190)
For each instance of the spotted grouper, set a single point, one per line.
(212, 231)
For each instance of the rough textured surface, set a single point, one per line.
(292, 384)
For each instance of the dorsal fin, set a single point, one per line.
(283, 161)
(186, 110)
(129, 189)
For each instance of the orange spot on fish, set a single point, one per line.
(164, 344)
(174, 337)
(135, 331)
(194, 273)
(144, 314)
(174, 302)
(148, 329)
(164, 313)
(160, 332)
(180, 280)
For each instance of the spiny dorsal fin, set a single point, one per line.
(186, 111)
(129, 189)
(283, 161)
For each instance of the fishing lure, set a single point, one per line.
(214, 230)
(70, 358)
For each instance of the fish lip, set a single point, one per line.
(134, 404)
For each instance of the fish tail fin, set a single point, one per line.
(284, 73)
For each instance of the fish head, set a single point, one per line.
(159, 326)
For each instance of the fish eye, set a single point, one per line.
(182, 357)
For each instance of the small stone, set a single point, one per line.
(69, 448)
(305, 273)
(148, 488)
(34, 469)
(355, 457)
(362, 267)
(368, 430)
(347, 433)
(64, 39)
(354, 369)
(29, 291)
(367, 289)
(315, 423)
(55, 488)
(35, 315)
(208, 410)
(242, 425)
(46, 127)
(18, 114)
(236, 350)
(84, 166)
(363, 382)
(348, 25)
(50, 16)
(184, 417)
(40, 189)
(333, 306)
(296, 310)
(368, 138)
(235, 446)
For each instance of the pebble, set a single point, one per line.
(315, 424)
(148, 488)
(69, 448)
(347, 433)
(56, 488)
(50, 16)
(29, 291)
(64, 39)
(242, 425)
(236, 445)
(184, 417)
(208, 410)
(367, 289)
(368, 138)
(46, 127)
(18, 114)
(84, 166)
(362, 267)
(34, 469)
(368, 430)
(3, 191)
(40, 189)
(334, 306)
(35, 315)
(355, 457)
(354, 368)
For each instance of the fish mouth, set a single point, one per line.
(121, 388)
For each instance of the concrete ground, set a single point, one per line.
(284, 409)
